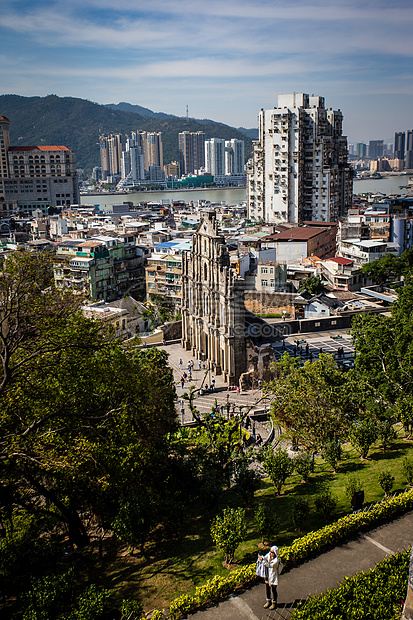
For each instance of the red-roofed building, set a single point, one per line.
(35, 177)
(342, 274)
(296, 243)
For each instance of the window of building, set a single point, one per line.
(264, 282)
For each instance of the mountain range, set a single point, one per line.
(77, 124)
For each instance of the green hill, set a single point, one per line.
(77, 123)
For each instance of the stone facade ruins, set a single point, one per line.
(213, 311)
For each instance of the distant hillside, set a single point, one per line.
(137, 109)
(77, 123)
(251, 133)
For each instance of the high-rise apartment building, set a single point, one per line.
(35, 177)
(408, 164)
(399, 145)
(191, 151)
(215, 157)
(299, 169)
(152, 149)
(376, 149)
(361, 149)
(112, 148)
(133, 171)
(234, 157)
(111, 155)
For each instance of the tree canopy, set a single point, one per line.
(84, 423)
(316, 401)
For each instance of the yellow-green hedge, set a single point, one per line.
(300, 550)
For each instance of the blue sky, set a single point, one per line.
(225, 59)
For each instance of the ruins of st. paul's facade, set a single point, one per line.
(213, 311)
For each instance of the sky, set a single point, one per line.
(224, 59)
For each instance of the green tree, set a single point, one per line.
(278, 466)
(408, 470)
(384, 268)
(266, 521)
(353, 485)
(363, 434)
(332, 452)
(384, 354)
(247, 480)
(325, 503)
(217, 436)
(386, 481)
(302, 465)
(312, 284)
(317, 401)
(301, 510)
(228, 530)
(85, 423)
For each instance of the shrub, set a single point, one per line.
(267, 522)
(386, 481)
(331, 453)
(408, 470)
(363, 434)
(247, 481)
(91, 604)
(228, 530)
(353, 485)
(302, 465)
(386, 433)
(131, 610)
(325, 503)
(300, 550)
(374, 594)
(278, 466)
(300, 512)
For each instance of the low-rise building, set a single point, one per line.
(365, 251)
(307, 306)
(125, 316)
(102, 268)
(341, 273)
(296, 243)
(164, 271)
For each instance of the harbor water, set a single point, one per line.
(386, 185)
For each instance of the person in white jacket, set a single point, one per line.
(271, 560)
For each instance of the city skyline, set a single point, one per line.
(225, 61)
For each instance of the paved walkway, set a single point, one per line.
(316, 576)
(248, 399)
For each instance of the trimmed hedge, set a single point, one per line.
(301, 549)
(377, 593)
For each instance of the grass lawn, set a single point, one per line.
(176, 563)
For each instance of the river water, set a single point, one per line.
(385, 185)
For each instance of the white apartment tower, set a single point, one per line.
(234, 157)
(299, 169)
(215, 157)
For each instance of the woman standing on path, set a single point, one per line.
(271, 561)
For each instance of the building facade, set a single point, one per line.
(133, 169)
(35, 177)
(191, 151)
(399, 144)
(299, 169)
(215, 157)
(213, 311)
(102, 268)
(235, 157)
(376, 149)
(408, 164)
